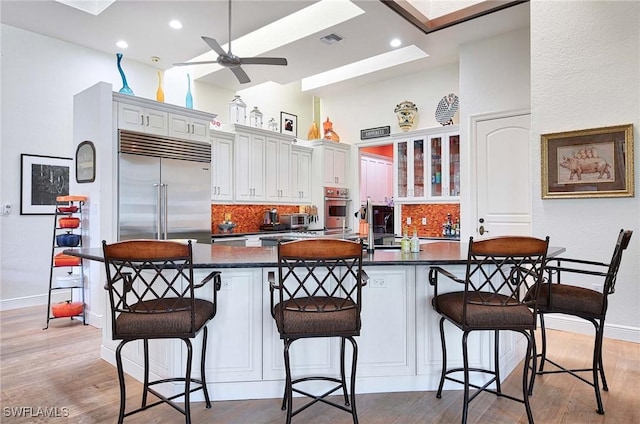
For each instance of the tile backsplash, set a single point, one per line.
(436, 215)
(247, 218)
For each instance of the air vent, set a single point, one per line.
(331, 38)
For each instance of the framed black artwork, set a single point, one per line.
(42, 179)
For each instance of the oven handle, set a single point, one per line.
(337, 198)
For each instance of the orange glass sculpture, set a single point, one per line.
(329, 133)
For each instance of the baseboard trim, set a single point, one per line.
(576, 325)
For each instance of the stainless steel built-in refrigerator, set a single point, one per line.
(164, 188)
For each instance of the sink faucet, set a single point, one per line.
(369, 215)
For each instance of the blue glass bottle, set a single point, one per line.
(125, 88)
(189, 100)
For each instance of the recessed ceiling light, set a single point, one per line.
(175, 24)
(395, 42)
(122, 44)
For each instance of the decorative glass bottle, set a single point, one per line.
(273, 125)
(189, 99)
(255, 118)
(125, 87)
(237, 111)
(160, 92)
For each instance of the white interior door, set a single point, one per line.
(503, 172)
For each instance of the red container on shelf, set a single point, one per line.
(69, 222)
(67, 209)
(65, 260)
(66, 309)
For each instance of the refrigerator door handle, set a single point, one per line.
(158, 210)
(165, 212)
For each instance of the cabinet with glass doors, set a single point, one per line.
(428, 165)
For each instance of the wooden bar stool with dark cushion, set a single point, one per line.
(555, 297)
(318, 294)
(152, 296)
(498, 274)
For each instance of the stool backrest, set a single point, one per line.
(502, 270)
(312, 268)
(623, 241)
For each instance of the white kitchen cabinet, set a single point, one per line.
(249, 171)
(301, 174)
(222, 166)
(427, 165)
(234, 345)
(187, 127)
(376, 173)
(386, 345)
(332, 159)
(142, 119)
(277, 169)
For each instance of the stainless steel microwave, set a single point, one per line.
(295, 221)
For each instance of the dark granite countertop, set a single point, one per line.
(215, 256)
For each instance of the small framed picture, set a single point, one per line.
(42, 180)
(86, 162)
(288, 124)
(595, 162)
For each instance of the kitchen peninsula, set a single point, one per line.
(399, 347)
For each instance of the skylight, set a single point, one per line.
(94, 7)
(363, 67)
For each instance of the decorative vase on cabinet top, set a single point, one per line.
(160, 92)
(125, 87)
(189, 99)
(314, 132)
(406, 112)
(329, 133)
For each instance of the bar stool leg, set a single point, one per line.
(288, 390)
(496, 359)
(465, 364)
(342, 371)
(354, 361)
(202, 368)
(123, 395)
(525, 382)
(145, 385)
(187, 383)
(443, 343)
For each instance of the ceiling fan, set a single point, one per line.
(233, 62)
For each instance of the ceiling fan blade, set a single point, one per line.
(242, 76)
(264, 61)
(214, 45)
(194, 63)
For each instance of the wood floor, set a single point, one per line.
(60, 369)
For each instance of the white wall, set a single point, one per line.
(585, 73)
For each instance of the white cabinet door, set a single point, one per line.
(277, 170)
(141, 119)
(376, 179)
(222, 168)
(249, 167)
(386, 345)
(301, 175)
(234, 345)
(335, 166)
(186, 127)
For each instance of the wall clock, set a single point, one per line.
(86, 162)
(447, 108)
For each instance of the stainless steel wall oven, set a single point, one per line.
(336, 208)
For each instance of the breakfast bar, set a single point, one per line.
(399, 345)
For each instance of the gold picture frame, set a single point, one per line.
(595, 162)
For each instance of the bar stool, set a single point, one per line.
(318, 294)
(499, 273)
(555, 297)
(152, 296)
